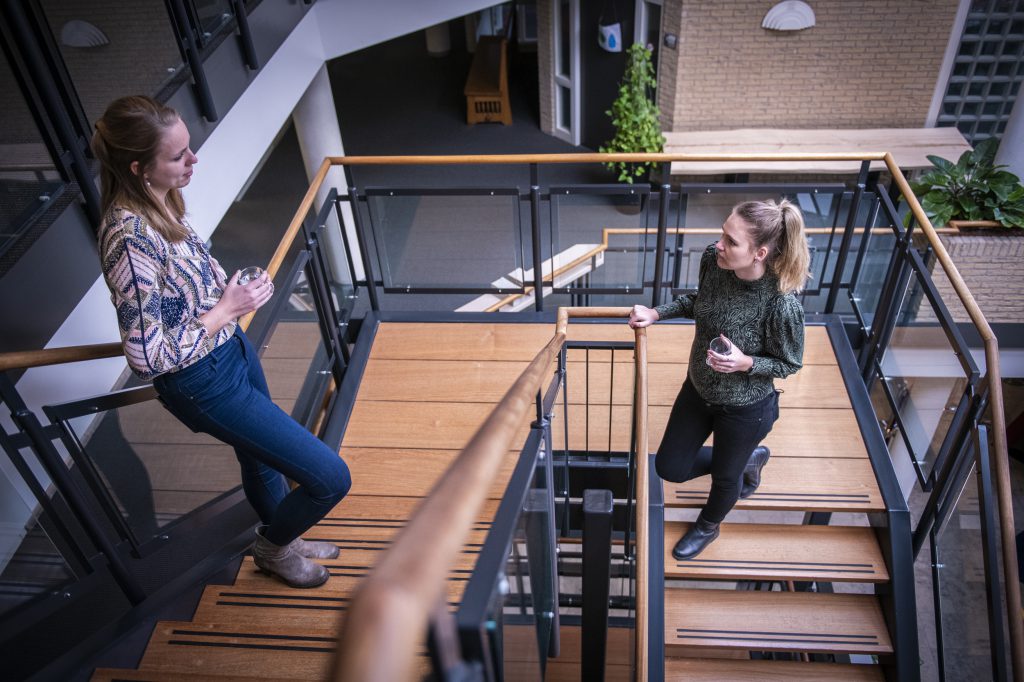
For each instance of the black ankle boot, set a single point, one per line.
(752, 474)
(701, 534)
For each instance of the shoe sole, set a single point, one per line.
(278, 576)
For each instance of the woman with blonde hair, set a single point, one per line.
(178, 316)
(746, 303)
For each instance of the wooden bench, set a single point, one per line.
(487, 85)
(909, 146)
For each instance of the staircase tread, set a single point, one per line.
(118, 674)
(721, 670)
(781, 552)
(775, 621)
(277, 652)
(796, 483)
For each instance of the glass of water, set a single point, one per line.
(249, 274)
(719, 345)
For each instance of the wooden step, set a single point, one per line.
(718, 670)
(476, 381)
(256, 651)
(775, 621)
(796, 484)
(343, 574)
(799, 432)
(320, 609)
(411, 425)
(411, 472)
(667, 342)
(781, 552)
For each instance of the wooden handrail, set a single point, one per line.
(993, 376)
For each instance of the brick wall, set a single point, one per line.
(868, 64)
(991, 267)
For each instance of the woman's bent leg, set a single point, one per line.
(222, 401)
(737, 432)
(681, 455)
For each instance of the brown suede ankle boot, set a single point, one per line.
(315, 549)
(286, 564)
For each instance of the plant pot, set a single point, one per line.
(993, 227)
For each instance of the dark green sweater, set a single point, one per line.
(762, 322)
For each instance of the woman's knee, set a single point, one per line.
(333, 482)
(670, 467)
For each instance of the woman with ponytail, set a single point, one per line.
(178, 316)
(746, 298)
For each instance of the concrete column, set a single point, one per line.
(1011, 146)
(439, 42)
(316, 125)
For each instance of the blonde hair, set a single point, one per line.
(130, 131)
(779, 227)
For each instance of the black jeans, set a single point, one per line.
(683, 456)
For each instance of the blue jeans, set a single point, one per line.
(225, 395)
(682, 455)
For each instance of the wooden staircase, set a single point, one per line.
(819, 463)
(427, 386)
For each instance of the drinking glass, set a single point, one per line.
(719, 345)
(249, 274)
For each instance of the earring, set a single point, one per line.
(147, 183)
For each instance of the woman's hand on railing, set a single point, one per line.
(238, 300)
(642, 316)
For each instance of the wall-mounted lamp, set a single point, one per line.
(791, 15)
(78, 33)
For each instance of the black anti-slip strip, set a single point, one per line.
(782, 563)
(793, 640)
(770, 632)
(781, 568)
(306, 607)
(257, 595)
(815, 495)
(250, 635)
(264, 647)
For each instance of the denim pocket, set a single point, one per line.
(194, 378)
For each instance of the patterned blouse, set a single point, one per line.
(763, 323)
(160, 289)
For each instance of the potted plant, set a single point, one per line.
(635, 115)
(973, 189)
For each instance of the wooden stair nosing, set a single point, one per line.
(796, 484)
(781, 552)
(721, 670)
(775, 621)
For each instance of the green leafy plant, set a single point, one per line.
(973, 188)
(635, 115)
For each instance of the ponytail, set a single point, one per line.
(780, 227)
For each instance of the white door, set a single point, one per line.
(567, 70)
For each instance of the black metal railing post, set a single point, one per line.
(597, 554)
(324, 304)
(659, 260)
(190, 53)
(847, 241)
(990, 552)
(44, 82)
(53, 463)
(364, 250)
(538, 274)
(245, 35)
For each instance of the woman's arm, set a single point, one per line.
(784, 340)
(133, 265)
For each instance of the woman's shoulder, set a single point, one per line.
(121, 223)
(787, 305)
